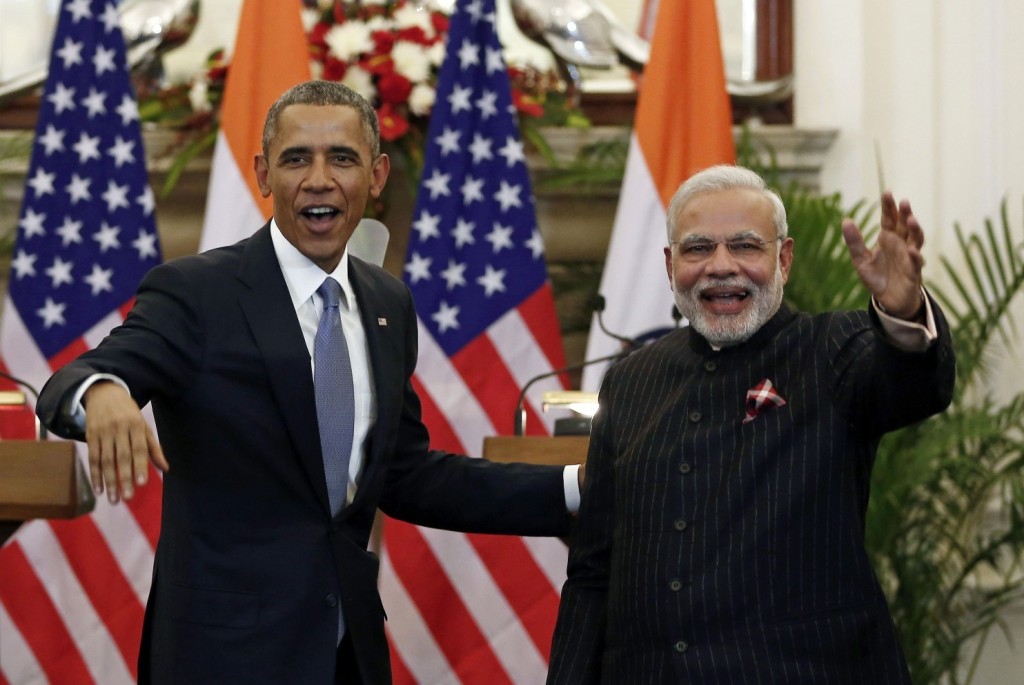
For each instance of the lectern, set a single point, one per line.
(40, 479)
(558, 450)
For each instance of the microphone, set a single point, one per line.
(41, 429)
(519, 422)
(599, 304)
(677, 315)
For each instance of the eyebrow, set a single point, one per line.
(305, 150)
(704, 238)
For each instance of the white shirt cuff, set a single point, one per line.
(909, 336)
(571, 483)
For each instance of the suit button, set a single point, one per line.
(710, 366)
(675, 585)
(685, 467)
(681, 524)
(695, 416)
(680, 646)
(331, 601)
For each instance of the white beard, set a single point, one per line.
(722, 330)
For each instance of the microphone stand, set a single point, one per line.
(41, 430)
(519, 423)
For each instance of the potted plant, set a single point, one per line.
(945, 526)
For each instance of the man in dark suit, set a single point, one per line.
(262, 573)
(721, 532)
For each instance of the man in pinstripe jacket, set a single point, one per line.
(720, 536)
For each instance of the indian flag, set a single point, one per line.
(271, 55)
(683, 124)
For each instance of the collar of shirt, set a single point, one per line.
(302, 276)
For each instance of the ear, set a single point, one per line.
(786, 258)
(380, 171)
(262, 169)
(668, 265)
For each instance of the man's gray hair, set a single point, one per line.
(324, 93)
(726, 177)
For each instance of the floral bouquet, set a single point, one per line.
(390, 53)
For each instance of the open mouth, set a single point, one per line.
(322, 214)
(725, 300)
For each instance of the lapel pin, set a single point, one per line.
(381, 321)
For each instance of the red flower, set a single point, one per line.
(526, 104)
(440, 22)
(334, 69)
(414, 34)
(383, 41)
(394, 88)
(316, 35)
(392, 124)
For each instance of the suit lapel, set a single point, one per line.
(271, 317)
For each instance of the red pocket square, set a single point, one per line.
(762, 396)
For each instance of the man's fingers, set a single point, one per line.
(890, 213)
(95, 472)
(854, 241)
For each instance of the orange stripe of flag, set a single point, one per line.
(684, 118)
(271, 55)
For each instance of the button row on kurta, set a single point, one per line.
(680, 646)
(675, 585)
(681, 524)
(695, 416)
(710, 366)
(685, 467)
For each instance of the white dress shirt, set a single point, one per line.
(303, 277)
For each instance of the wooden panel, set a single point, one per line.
(41, 480)
(561, 450)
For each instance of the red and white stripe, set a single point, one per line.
(476, 608)
(73, 592)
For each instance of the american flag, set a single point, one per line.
(471, 608)
(72, 592)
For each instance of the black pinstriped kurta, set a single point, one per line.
(709, 550)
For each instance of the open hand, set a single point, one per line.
(892, 270)
(121, 443)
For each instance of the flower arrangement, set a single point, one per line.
(390, 52)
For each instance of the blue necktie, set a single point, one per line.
(335, 406)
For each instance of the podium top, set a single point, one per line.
(559, 450)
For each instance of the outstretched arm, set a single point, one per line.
(891, 270)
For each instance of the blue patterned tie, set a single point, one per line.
(335, 406)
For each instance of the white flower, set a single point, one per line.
(361, 81)
(408, 16)
(436, 53)
(411, 61)
(197, 96)
(347, 40)
(375, 2)
(421, 99)
(309, 18)
(379, 23)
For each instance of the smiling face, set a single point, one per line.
(321, 172)
(727, 293)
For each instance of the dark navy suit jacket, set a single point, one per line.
(716, 551)
(250, 565)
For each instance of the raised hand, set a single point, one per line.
(891, 270)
